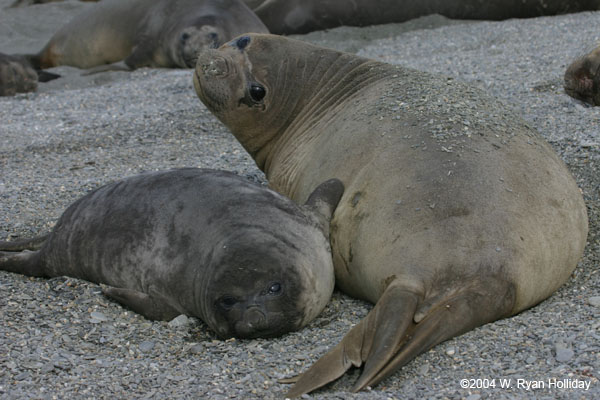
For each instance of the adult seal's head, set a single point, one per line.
(249, 79)
(582, 78)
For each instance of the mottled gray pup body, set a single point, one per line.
(246, 260)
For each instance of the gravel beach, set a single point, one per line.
(61, 338)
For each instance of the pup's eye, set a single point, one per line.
(227, 302)
(257, 92)
(275, 288)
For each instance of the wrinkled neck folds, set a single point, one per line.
(310, 89)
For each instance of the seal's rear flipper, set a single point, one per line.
(373, 340)
(25, 262)
(389, 337)
(141, 303)
(45, 76)
(23, 244)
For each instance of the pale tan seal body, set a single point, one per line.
(146, 33)
(582, 78)
(456, 213)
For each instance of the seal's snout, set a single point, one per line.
(252, 324)
(213, 66)
(254, 317)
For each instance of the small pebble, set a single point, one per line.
(146, 346)
(594, 301)
(179, 322)
(97, 317)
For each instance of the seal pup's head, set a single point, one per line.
(582, 78)
(271, 274)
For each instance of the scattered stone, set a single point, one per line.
(179, 322)
(146, 346)
(563, 353)
(97, 317)
(594, 301)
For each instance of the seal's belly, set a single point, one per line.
(422, 215)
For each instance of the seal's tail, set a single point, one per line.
(397, 329)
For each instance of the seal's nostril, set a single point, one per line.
(242, 42)
(254, 317)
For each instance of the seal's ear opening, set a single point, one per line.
(324, 200)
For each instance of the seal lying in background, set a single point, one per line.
(244, 259)
(23, 3)
(146, 33)
(302, 16)
(455, 212)
(582, 78)
(16, 75)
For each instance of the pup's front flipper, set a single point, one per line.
(141, 303)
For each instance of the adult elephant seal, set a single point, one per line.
(146, 33)
(244, 259)
(582, 78)
(301, 16)
(16, 75)
(455, 213)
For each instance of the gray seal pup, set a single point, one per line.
(146, 33)
(247, 261)
(455, 212)
(302, 16)
(582, 78)
(16, 75)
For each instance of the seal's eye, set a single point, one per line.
(227, 302)
(257, 92)
(275, 288)
(184, 36)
